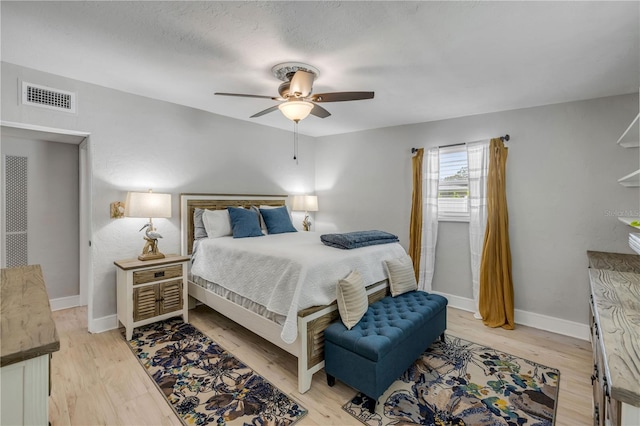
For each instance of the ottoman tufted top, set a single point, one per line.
(387, 323)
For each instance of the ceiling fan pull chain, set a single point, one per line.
(295, 141)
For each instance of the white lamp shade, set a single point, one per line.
(307, 203)
(296, 110)
(147, 204)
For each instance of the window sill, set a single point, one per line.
(454, 219)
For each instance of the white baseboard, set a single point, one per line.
(556, 325)
(64, 302)
(530, 319)
(458, 302)
(99, 325)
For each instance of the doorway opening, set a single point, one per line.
(39, 134)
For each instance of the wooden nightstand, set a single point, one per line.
(152, 290)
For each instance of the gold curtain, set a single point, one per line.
(415, 227)
(496, 284)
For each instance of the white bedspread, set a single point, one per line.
(287, 272)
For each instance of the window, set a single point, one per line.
(453, 188)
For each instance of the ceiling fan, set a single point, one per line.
(296, 93)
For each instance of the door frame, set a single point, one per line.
(82, 140)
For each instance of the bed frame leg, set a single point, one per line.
(192, 302)
(331, 381)
(305, 375)
(304, 381)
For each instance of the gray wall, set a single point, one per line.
(562, 190)
(138, 143)
(562, 172)
(52, 210)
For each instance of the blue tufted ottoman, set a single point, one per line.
(388, 339)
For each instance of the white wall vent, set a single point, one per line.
(47, 97)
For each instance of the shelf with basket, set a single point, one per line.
(633, 222)
(630, 138)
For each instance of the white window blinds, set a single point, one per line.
(453, 188)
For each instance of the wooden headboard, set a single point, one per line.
(189, 202)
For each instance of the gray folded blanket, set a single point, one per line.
(351, 240)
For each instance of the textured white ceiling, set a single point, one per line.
(424, 60)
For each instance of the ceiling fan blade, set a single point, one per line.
(341, 96)
(248, 96)
(263, 112)
(318, 111)
(301, 84)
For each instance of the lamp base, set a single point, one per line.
(150, 250)
(150, 256)
(306, 224)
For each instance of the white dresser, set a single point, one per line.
(615, 337)
(29, 337)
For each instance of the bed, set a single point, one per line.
(293, 312)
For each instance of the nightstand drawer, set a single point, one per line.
(157, 274)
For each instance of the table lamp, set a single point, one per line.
(149, 205)
(306, 203)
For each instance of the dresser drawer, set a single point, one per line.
(157, 274)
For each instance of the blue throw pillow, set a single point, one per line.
(244, 223)
(277, 220)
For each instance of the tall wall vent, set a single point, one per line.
(16, 210)
(46, 97)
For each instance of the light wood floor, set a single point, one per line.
(97, 380)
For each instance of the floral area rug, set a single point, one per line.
(205, 384)
(463, 383)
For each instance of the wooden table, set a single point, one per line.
(28, 338)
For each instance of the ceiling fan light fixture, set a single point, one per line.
(296, 110)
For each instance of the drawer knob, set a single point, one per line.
(158, 274)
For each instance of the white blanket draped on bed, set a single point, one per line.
(287, 272)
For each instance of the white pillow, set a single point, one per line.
(352, 299)
(217, 223)
(402, 278)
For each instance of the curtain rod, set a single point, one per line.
(504, 138)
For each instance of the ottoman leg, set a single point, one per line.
(331, 380)
(371, 405)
